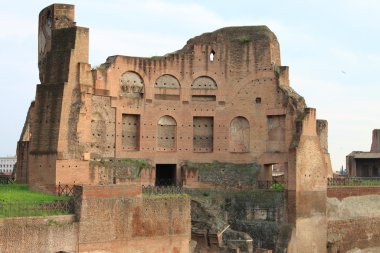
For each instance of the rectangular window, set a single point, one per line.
(131, 132)
(203, 134)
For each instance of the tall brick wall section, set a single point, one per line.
(102, 127)
(62, 45)
(148, 224)
(22, 162)
(39, 234)
(307, 188)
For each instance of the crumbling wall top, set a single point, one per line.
(234, 34)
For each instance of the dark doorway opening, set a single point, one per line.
(165, 174)
(375, 172)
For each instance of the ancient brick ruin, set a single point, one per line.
(223, 97)
(217, 114)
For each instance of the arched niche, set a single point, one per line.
(204, 83)
(131, 85)
(167, 82)
(167, 87)
(166, 134)
(239, 135)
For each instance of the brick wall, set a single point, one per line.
(148, 224)
(350, 191)
(359, 234)
(108, 218)
(131, 131)
(38, 234)
(353, 219)
(102, 127)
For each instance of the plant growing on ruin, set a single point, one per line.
(245, 39)
(277, 186)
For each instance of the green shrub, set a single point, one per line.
(277, 186)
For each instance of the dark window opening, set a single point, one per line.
(212, 55)
(258, 100)
(165, 174)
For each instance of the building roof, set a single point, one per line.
(365, 155)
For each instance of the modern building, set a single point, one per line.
(365, 164)
(7, 164)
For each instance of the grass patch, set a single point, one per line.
(11, 193)
(17, 201)
(353, 182)
(165, 196)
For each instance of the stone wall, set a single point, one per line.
(220, 175)
(39, 234)
(353, 219)
(102, 127)
(251, 217)
(307, 177)
(112, 218)
(131, 131)
(124, 223)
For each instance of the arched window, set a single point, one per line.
(131, 85)
(239, 135)
(166, 134)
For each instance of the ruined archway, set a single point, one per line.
(239, 135)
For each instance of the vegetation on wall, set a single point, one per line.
(229, 174)
(123, 167)
(245, 39)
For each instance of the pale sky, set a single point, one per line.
(332, 49)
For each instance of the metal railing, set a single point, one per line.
(6, 180)
(270, 184)
(65, 189)
(353, 181)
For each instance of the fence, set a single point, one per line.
(6, 180)
(65, 190)
(354, 181)
(20, 209)
(269, 184)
